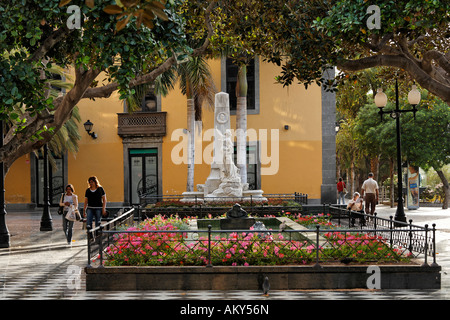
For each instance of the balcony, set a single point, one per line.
(146, 124)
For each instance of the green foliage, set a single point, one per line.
(426, 139)
(347, 18)
(25, 25)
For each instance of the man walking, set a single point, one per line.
(370, 194)
(340, 189)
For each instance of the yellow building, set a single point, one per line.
(291, 144)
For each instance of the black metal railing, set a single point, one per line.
(176, 204)
(112, 213)
(379, 240)
(402, 234)
(97, 237)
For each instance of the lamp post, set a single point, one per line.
(88, 127)
(4, 233)
(380, 101)
(46, 219)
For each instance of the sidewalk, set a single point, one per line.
(42, 272)
(25, 234)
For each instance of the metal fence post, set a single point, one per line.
(434, 264)
(375, 223)
(410, 236)
(88, 248)
(100, 245)
(317, 246)
(391, 224)
(425, 263)
(209, 246)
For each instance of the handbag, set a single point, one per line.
(345, 191)
(61, 208)
(73, 214)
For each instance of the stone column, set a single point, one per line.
(328, 187)
(221, 125)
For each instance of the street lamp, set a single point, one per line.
(46, 219)
(381, 101)
(4, 233)
(88, 127)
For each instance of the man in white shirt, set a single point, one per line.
(370, 194)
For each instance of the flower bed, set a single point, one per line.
(227, 204)
(311, 221)
(160, 242)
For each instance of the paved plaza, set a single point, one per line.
(41, 266)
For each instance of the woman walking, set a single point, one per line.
(68, 199)
(94, 203)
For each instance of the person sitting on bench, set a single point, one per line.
(356, 204)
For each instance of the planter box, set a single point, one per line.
(251, 277)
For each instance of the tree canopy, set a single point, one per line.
(135, 41)
(34, 35)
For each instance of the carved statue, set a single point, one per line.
(228, 170)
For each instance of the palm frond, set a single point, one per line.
(166, 82)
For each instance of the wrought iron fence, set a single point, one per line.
(96, 237)
(173, 204)
(401, 234)
(380, 240)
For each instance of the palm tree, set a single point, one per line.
(197, 84)
(241, 120)
(66, 139)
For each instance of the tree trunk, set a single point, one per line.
(446, 188)
(375, 166)
(352, 174)
(16, 145)
(191, 145)
(347, 180)
(241, 122)
(426, 80)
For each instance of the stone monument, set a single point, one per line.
(224, 182)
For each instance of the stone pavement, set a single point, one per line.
(40, 265)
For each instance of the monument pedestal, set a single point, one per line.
(254, 195)
(236, 223)
(192, 197)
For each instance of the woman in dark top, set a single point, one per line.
(94, 202)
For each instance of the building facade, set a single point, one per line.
(291, 144)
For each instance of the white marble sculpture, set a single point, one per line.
(224, 182)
